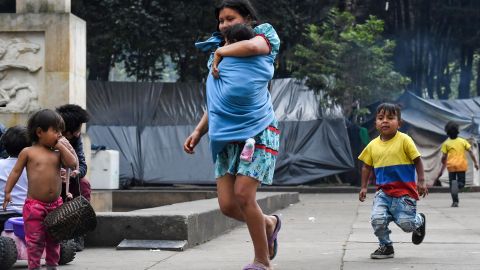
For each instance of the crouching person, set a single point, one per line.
(74, 117)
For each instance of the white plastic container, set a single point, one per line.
(104, 169)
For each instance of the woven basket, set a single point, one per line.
(71, 219)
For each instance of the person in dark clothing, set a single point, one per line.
(74, 117)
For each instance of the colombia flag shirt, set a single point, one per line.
(392, 161)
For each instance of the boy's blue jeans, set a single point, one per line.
(402, 211)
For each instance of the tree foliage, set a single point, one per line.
(437, 41)
(290, 18)
(348, 61)
(142, 33)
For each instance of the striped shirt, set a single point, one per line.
(393, 165)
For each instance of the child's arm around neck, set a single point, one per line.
(251, 47)
(15, 175)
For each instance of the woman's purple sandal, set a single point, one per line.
(254, 266)
(273, 239)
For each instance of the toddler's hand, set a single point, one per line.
(74, 173)
(216, 60)
(63, 174)
(62, 141)
(476, 166)
(362, 195)
(422, 189)
(69, 196)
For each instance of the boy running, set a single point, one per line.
(394, 159)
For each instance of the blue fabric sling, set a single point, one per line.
(239, 104)
(210, 45)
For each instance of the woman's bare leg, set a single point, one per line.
(230, 207)
(245, 190)
(226, 198)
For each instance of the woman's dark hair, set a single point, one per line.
(451, 128)
(239, 32)
(74, 116)
(14, 140)
(390, 108)
(44, 119)
(243, 7)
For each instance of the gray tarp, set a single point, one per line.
(148, 123)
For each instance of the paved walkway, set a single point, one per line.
(323, 231)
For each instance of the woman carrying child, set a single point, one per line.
(239, 107)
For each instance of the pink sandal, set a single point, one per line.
(254, 266)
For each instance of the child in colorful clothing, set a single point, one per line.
(13, 141)
(239, 107)
(394, 159)
(453, 158)
(42, 160)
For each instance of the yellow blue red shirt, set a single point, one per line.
(455, 151)
(393, 164)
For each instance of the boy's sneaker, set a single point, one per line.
(383, 252)
(455, 204)
(419, 233)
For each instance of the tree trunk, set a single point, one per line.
(466, 62)
(443, 73)
(478, 78)
(431, 68)
(99, 70)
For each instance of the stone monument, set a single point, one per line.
(42, 59)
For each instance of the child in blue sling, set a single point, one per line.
(239, 107)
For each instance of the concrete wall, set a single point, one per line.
(129, 200)
(195, 221)
(63, 70)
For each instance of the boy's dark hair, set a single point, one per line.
(239, 32)
(391, 109)
(74, 116)
(451, 128)
(14, 140)
(243, 7)
(44, 119)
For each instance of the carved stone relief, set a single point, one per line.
(20, 76)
